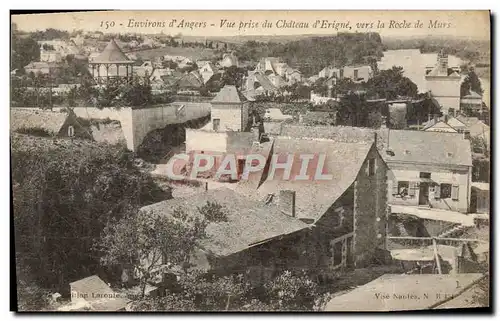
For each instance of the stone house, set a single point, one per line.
(346, 214)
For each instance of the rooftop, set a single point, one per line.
(249, 221)
(112, 54)
(404, 292)
(229, 94)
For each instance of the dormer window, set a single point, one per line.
(449, 154)
(407, 152)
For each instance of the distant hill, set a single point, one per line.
(474, 50)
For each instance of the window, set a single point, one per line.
(445, 191)
(403, 187)
(371, 167)
(355, 74)
(71, 131)
(216, 124)
(425, 175)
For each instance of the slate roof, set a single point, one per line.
(112, 54)
(28, 118)
(408, 146)
(249, 221)
(313, 198)
(229, 94)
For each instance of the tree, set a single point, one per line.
(233, 76)
(471, 83)
(24, 51)
(390, 84)
(72, 191)
(150, 242)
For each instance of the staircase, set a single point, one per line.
(455, 231)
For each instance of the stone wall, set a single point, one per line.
(370, 210)
(137, 123)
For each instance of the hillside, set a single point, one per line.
(192, 53)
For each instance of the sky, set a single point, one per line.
(473, 24)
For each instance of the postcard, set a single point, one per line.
(167, 161)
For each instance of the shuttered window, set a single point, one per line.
(395, 189)
(437, 191)
(454, 192)
(412, 188)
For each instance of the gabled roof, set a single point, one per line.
(28, 119)
(229, 94)
(249, 221)
(313, 198)
(112, 54)
(439, 125)
(408, 146)
(264, 81)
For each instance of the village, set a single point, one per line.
(402, 222)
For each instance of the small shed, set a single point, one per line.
(92, 292)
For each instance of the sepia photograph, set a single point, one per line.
(250, 161)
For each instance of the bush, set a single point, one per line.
(292, 292)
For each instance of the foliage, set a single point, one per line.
(213, 212)
(481, 169)
(471, 83)
(391, 84)
(64, 194)
(312, 54)
(292, 292)
(23, 51)
(233, 76)
(150, 242)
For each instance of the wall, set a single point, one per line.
(446, 90)
(203, 140)
(407, 172)
(230, 116)
(137, 123)
(364, 73)
(370, 210)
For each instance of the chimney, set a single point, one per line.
(436, 118)
(286, 202)
(375, 138)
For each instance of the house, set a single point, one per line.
(47, 123)
(230, 110)
(330, 71)
(93, 294)
(207, 70)
(357, 73)
(472, 101)
(269, 65)
(444, 84)
(439, 125)
(257, 83)
(48, 55)
(228, 60)
(250, 239)
(346, 213)
(293, 76)
(190, 81)
(41, 67)
(415, 65)
(432, 170)
(480, 197)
